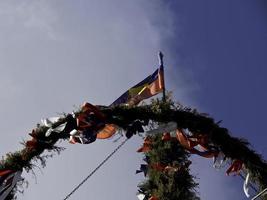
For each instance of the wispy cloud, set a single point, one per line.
(28, 16)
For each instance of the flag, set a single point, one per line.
(150, 86)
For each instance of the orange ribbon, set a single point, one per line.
(146, 146)
(166, 137)
(235, 167)
(190, 143)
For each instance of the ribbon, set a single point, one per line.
(246, 185)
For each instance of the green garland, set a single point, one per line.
(178, 185)
(168, 185)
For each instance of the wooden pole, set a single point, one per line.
(160, 56)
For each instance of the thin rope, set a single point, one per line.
(94, 171)
(260, 194)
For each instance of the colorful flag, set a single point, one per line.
(150, 86)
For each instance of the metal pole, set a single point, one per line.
(160, 56)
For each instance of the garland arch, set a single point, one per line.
(174, 132)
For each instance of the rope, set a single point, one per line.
(94, 171)
(260, 194)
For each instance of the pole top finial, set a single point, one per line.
(160, 55)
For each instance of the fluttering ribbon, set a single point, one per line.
(190, 144)
(134, 128)
(166, 137)
(235, 167)
(146, 146)
(143, 168)
(144, 197)
(90, 122)
(219, 161)
(141, 196)
(107, 131)
(48, 122)
(246, 185)
(163, 128)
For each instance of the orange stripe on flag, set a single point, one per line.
(157, 86)
(153, 88)
(161, 80)
(108, 131)
(147, 92)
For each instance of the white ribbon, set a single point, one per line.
(219, 161)
(163, 128)
(48, 122)
(246, 186)
(141, 196)
(57, 129)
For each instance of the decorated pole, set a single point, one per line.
(161, 66)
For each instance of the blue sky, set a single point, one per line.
(56, 54)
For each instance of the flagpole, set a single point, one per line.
(160, 56)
